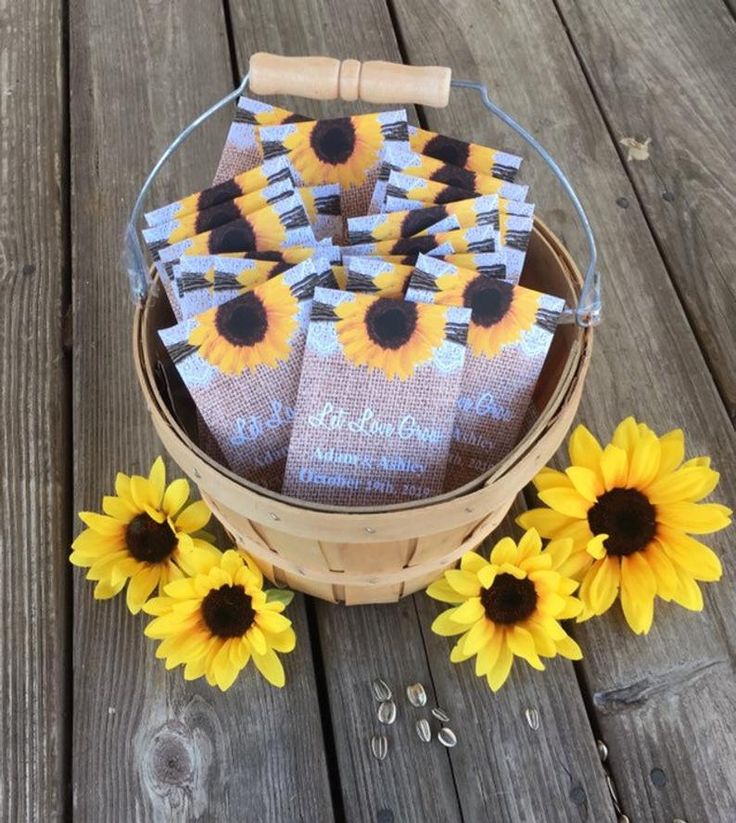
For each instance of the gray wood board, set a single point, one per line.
(647, 363)
(147, 745)
(34, 413)
(664, 71)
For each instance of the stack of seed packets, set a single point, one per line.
(350, 324)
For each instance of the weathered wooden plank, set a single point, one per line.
(664, 72)
(34, 413)
(148, 746)
(647, 363)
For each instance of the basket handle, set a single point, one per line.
(326, 78)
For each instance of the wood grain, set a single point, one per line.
(34, 413)
(646, 363)
(664, 71)
(147, 745)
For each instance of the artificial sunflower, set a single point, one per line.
(252, 329)
(630, 509)
(145, 538)
(507, 606)
(501, 312)
(340, 150)
(394, 336)
(214, 623)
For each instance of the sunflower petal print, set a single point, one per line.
(339, 150)
(145, 538)
(213, 624)
(508, 606)
(630, 509)
(394, 336)
(501, 312)
(252, 329)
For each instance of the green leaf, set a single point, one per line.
(279, 596)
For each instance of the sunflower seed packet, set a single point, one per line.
(267, 174)
(457, 241)
(323, 207)
(344, 150)
(241, 362)
(511, 330)
(480, 211)
(373, 275)
(242, 149)
(376, 401)
(468, 156)
(281, 224)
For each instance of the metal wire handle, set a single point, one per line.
(587, 313)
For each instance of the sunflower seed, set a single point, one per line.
(624, 819)
(381, 690)
(678, 820)
(602, 750)
(416, 694)
(423, 730)
(379, 746)
(612, 792)
(387, 712)
(447, 737)
(441, 715)
(532, 718)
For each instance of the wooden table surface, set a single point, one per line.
(91, 91)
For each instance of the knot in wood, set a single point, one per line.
(171, 759)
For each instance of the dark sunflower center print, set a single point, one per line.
(627, 517)
(242, 321)
(333, 141)
(420, 219)
(237, 235)
(489, 299)
(453, 176)
(509, 600)
(228, 611)
(149, 541)
(391, 323)
(448, 150)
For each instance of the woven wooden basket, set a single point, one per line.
(369, 555)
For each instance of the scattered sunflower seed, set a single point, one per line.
(379, 746)
(441, 715)
(417, 695)
(423, 730)
(532, 718)
(602, 750)
(678, 820)
(387, 712)
(623, 819)
(381, 690)
(612, 792)
(447, 737)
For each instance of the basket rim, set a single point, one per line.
(574, 367)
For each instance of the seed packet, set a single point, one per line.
(281, 224)
(511, 330)
(260, 177)
(480, 239)
(241, 363)
(469, 156)
(343, 150)
(376, 402)
(242, 149)
(322, 204)
(373, 275)
(480, 211)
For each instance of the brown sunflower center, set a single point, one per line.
(627, 517)
(448, 150)
(237, 235)
(391, 323)
(228, 611)
(489, 300)
(509, 600)
(242, 321)
(333, 141)
(149, 541)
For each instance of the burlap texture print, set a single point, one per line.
(510, 333)
(241, 363)
(242, 149)
(376, 400)
(345, 150)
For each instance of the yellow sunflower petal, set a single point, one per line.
(586, 483)
(464, 583)
(548, 478)
(544, 644)
(663, 569)
(470, 611)
(272, 622)
(505, 551)
(488, 654)
(472, 562)
(626, 436)
(683, 485)
(175, 496)
(688, 594)
(284, 642)
(530, 544)
(146, 497)
(119, 508)
(521, 643)
(696, 518)
(477, 637)
(445, 626)
(122, 486)
(672, 451)
(195, 517)
(566, 501)
(584, 449)
(568, 648)
(157, 479)
(458, 653)
(270, 667)
(547, 522)
(604, 585)
(105, 590)
(499, 672)
(692, 556)
(101, 523)
(257, 640)
(638, 588)
(614, 467)
(487, 575)
(596, 546)
(644, 462)
(441, 590)
(141, 586)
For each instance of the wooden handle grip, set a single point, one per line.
(326, 78)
